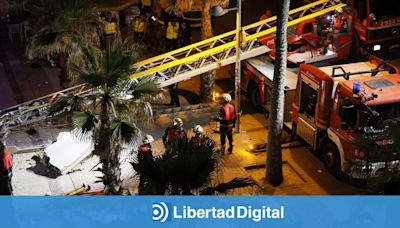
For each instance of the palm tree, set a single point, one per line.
(274, 157)
(183, 170)
(65, 27)
(107, 117)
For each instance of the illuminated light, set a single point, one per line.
(251, 147)
(357, 87)
(217, 94)
(377, 47)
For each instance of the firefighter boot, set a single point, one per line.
(222, 150)
(230, 149)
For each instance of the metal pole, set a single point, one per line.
(237, 64)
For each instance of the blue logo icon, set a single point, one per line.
(160, 212)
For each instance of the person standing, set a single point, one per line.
(111, 30)
(138, 26)
(171, 33)
(145, 161)
(6, 163)
(174, 94)
(185, 34)
(227, 119)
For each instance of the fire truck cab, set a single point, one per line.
(337, 109)
(332, 108)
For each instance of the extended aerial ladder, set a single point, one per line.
(181, 64)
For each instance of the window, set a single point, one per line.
(308, 100)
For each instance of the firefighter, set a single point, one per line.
(6, 163)
(110, 29)
(339, 22)
(174, 132)
(266, 15)
(138, 26)
(145, 160)
(227, 119)
(199, 139)
(145, 147)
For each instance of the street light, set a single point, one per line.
(217, 11)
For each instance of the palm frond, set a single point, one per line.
(145, 86)
(69, 103)
(125, 132)
(84, 121)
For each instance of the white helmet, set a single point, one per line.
(227, 97)
(178, 122)
(198, 129)
(148, 139)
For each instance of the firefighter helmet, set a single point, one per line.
(198, 129)
(227, 97)
(339, 10)
(148, 139)
(178, 122)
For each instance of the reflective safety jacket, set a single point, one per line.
(110, 28)
(138, 25)
(172, 31)
(340, 22)
(172, 133)
(6, 163)
(227, 115)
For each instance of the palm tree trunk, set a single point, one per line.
(103, 149)
(207, 80)
(274, 157)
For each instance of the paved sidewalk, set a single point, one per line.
(19, 82)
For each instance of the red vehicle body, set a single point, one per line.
(371, 25)
(316, 109)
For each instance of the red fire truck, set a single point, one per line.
(336, 106)
(368, 25)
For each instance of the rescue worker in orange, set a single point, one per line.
(174, 132)
(199, 139)
(6, 163)
(145, 159)
(227, 119)
(266, 15)
(339, 21)
(111, 30)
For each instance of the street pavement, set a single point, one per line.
(19, 82)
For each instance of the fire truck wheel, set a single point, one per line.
(331, 159)
(254, 96)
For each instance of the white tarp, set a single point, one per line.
(68, 151)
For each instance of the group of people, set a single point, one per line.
(176, 132)
(177, 31)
